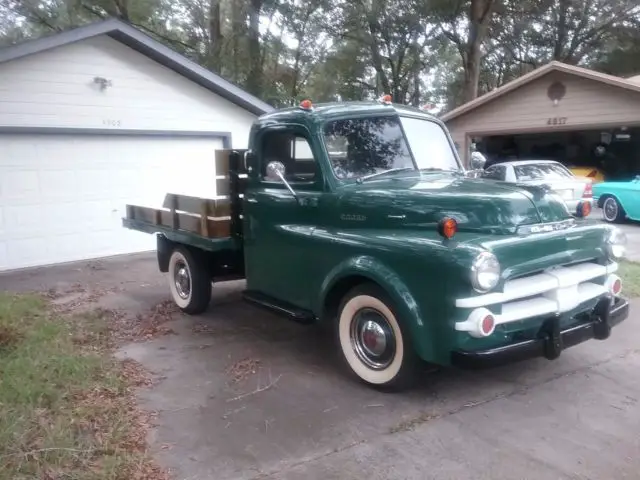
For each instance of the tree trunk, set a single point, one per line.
(122, 9)
(480, 12)
(215, 34)
(561, 31)
(254, 80)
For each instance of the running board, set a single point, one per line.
(278, 307)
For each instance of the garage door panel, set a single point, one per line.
(27, 252)
(20, 221)
(19, 183)
(58, 184)
(62, 198)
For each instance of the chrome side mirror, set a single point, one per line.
(478, 161)
(277, 169)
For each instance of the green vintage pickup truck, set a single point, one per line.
(362, 216)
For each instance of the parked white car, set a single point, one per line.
(556, 176)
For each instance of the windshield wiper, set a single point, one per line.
(366, 177)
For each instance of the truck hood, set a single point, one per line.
(421, 201)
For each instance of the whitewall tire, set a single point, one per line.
(612, 210)
(189, 282)
(372, 341)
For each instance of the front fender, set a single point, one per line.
(383, 275)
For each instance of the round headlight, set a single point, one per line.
(617, 243)
(485, 272)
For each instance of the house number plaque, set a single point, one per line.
(557, 121)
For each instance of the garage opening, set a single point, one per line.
(602, 154)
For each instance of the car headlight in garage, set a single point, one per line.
(485, 272)
(617, 244)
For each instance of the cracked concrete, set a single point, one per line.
(574, 418)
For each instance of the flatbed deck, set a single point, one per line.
(211, 224)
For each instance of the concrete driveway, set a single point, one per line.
(632, 230)
(246, 395)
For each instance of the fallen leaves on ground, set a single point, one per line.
(242, 369)
(144, 326)
(67, 406)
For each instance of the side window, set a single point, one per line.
(293, 151)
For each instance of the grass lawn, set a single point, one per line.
(66, 405)
(630, 274)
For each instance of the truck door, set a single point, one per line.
(278, 223)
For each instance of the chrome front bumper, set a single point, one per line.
(550, 341)
(554, 292)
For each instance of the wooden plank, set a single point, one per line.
(174, 214)
(223, 186)
(186, 203)
(215, 228)
(222, 161)
(142, 214)
(204, 214)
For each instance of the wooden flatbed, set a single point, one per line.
(209, 224)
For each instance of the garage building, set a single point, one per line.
(560, 112)
(97, 117)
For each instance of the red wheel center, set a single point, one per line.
(370, 340)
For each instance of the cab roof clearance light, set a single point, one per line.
(306, 105)
(386, 99)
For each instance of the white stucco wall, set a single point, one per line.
(55, 88)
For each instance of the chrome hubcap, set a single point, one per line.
(182, 280)
(610, 209)
(372, 339)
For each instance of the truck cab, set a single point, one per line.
(361, 216)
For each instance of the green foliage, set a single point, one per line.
(65, 406)
(630, 274)
(440, 51)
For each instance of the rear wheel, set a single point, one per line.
(612, 211)
(189, 282)
(372, 342)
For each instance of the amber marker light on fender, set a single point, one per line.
(447, 227)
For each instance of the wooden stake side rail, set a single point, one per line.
(206, 217)
(202, 224)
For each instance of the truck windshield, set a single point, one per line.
(372, 146)
(429, 144)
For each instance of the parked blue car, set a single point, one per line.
(618, 200)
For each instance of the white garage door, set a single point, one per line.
(62, 197)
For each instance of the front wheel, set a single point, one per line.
(189, 282)
(612, 211)
(372, 342)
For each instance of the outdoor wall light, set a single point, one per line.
(102, 82)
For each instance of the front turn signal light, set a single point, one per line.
(447, 227)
